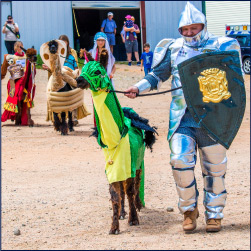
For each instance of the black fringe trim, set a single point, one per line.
(142, 123)
(94, 133)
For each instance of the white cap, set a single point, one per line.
(110, 14)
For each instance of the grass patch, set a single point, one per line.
(39, 62)
(81, 62)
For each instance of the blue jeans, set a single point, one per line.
(128, 34)
(147, 70)
(10, 46)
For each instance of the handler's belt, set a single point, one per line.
(109, 32)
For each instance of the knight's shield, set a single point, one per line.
(215, 94)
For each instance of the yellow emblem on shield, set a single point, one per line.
(214, 85)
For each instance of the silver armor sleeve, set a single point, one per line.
(160, 51)
(230, 44)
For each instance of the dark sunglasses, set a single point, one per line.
(9, 18)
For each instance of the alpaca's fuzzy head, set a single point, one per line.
(31, 55)
(94, 75)
(53, 46)
(51, 51)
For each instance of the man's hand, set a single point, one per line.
(133, 90)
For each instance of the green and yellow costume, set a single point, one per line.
(122, 143)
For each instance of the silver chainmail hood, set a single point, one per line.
(192, 15)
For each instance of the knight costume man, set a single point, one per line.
(185, 135)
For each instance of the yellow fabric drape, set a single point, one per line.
(118, 148)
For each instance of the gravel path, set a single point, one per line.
(55, 193)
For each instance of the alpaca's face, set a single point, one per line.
(53, 46)
(94, 76)
(31, 55)
(82, 83)
(32, 58)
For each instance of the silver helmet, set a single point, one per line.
(191, 15)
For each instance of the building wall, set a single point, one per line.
(41, 21)
(162, 19)
(220, 13)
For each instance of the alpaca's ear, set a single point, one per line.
(85, 54)
(4, 67)
(103, 57)
(81, 53)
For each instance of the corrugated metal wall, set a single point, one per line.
(41, 21)
(220, 13)
(162, 19)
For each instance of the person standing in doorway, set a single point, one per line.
(109, 28)
(131, 44)
(10, 28)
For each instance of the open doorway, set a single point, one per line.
(89, 23)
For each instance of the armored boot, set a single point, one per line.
(213, 225)
(214, 166)
(189, 223)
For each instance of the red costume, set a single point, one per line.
(24, 85)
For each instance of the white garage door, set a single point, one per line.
(220, 13)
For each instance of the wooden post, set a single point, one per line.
(143, 20)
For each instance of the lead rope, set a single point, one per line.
(149, 94)
(137, 95)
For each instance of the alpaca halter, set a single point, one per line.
(91, 79)
(97, 82)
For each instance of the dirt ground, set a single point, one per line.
(54, 188)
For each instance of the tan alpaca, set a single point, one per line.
(61, 101)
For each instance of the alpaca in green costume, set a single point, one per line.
(123, 135)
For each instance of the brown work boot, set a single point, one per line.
(189, 223)
(213, 225)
